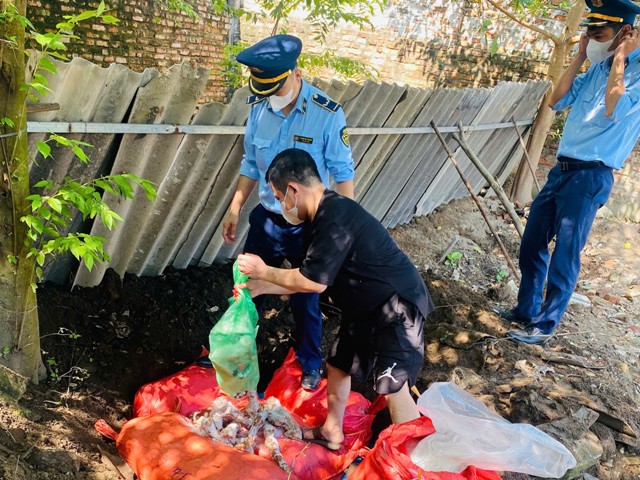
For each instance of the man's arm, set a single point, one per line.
(346, 189)
(615, 83)
(243, 190)
(261, 287)
(291, 279)
(565, 82)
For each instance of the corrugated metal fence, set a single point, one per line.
(401, 168)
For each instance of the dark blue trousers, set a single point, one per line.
(273, 239)
(565, 209)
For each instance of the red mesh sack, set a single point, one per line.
(185, 392)
(389, 459)
(165, 446)
(314, 462)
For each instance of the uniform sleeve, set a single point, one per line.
(328, 250)
(337, 152)
(570, 97)
(248, 166)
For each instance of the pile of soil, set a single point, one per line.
(101, 344)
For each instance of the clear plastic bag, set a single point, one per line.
(233, 342)
(468, 433)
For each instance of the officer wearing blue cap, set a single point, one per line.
(600, 132)
(287, 112)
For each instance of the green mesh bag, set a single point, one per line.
(232, 342)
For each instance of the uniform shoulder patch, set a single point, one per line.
(325, 102)
(344, 136)
(254, 99)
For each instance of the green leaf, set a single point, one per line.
(36, 202)
(47, 65)
(55, 204)
(149, 190)
(80, 154)
(65, 26)
(107, 219)
(40, 258)
(12, 259)
(58, 55)
(60, 140)
(110, 20)
(86, 15)
(106, 186)
(494, 47)
(44, 184)
(101, 8)
(124, 184)
(41, 39)
(8, 122)
(88, 261)
(44, 149)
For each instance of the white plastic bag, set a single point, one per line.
(468, 433)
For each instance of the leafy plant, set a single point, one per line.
(452, 259)
(180, 6)
(35, 223)
(53, 45)
(75, 374)
(321, 16)
(502, 274)
(52, 213)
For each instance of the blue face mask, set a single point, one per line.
(290, 216)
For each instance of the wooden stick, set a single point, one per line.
(526, 154)
(569, 359)
(492, 181)
(42, 107)
(477, 200)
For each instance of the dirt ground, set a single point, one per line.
(101, 344)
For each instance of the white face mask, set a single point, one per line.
(279, 102)
(290, 216)
(598, 51)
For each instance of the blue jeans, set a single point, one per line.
(273, 239)
(565, 209)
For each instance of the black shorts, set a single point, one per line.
(389, 343)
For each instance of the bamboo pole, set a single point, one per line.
(492, 181)
(526, 155)
(477, 200)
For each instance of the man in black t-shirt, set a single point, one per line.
(382, 297)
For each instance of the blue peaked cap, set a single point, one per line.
(602, 12)
(270, 62)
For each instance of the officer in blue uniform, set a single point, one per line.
(288, 112)
(601, 130)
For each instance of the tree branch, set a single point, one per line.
(530, 26)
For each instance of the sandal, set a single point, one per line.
(319, 439)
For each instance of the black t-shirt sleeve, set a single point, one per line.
(330, 245)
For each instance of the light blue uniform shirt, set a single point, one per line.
(588, 134)
(316, 124)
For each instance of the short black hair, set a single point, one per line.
(292, 165)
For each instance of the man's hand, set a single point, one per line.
(251, 265)
(629, 42)
(582, 46)
(229, 226)
(256, 287)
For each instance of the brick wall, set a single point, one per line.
(431, 44)
(147, 35)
